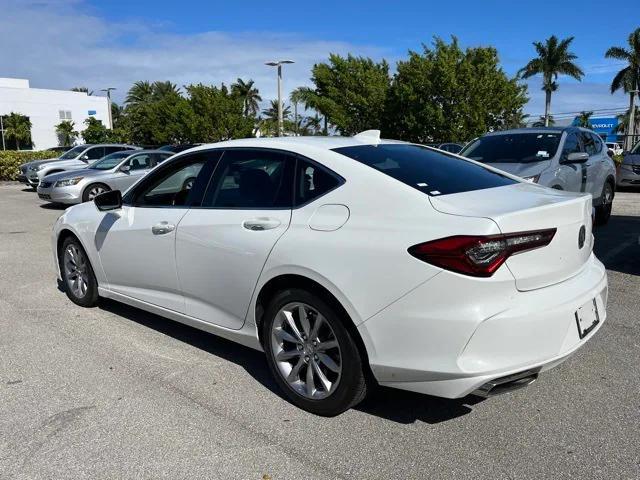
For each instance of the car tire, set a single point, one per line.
(318, 367)
(603, 211)
(79, 281)
(92, 190)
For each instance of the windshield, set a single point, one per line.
(73, 153)
(430, 171)
(636, 150)
(109, 161)
(513, 148)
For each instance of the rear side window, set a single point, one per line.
(598, 142)
(312, 182)
(431, 172)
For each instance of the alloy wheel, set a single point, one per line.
(76, 270)
(306, 351)
(95, 191)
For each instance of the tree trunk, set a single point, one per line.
(547, 107)
(325, 130)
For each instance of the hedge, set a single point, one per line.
(10, 160)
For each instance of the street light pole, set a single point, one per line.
(632, 121)
(108, 90)
(2, 132)
(279, 64)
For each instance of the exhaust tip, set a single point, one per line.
(507, 384)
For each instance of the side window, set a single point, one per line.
(252, 179)
(180, 184)
(313, 181)
(95, 153)
(589, 143)
(108, 150)
(140, 162)
(160, 157)
(571, 145)
(598, 142)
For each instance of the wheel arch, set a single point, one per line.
(285, 281)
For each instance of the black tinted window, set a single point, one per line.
(430, 171)
(252, 179)
(179, 184)
(95, 153)
(513, 148)
(313, 181)
(598, 142)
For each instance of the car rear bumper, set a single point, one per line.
(449, 338)
(67, 195)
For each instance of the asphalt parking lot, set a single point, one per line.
(115, 392)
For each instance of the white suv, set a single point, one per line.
(565, 158)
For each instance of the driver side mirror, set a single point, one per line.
(111, 200)
(84, 157)
(125, 168)
(576, 157)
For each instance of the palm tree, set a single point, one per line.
(543, 121)
(140, 92)
(271, 113)
(311, 100)
(628, 79)
(162, 89)
(66, 133)
(18, 128)
(83, 90)
(249, 94)
(297, 96)
(583, 120)
(554, 58)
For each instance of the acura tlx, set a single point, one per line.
(351, 262)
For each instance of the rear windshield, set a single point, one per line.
(513, 148)
(432, 172)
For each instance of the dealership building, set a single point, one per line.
(47, 108)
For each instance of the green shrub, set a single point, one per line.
(618, 159)
(10, 160)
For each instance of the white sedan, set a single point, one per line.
(349, 262)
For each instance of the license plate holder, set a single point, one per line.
(587, 318)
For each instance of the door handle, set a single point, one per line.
(162, 228)
(259, 224)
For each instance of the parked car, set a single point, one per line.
(614, 147)
(349, 261)
(565, 158)
(117, 171)
(77, 158)
(629, 173)
(447, 147)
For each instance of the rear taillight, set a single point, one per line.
(479, 256)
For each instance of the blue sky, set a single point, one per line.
(118, 42)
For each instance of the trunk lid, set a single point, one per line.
(524, 207)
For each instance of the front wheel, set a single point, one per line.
(603, 211)
(312, 356)
(93, 190)
(77, 274)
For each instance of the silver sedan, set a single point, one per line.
(117, 171)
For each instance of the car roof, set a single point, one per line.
(516, 131)
(320, 142)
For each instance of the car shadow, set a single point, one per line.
(388, 403)
(54, 206)
(617, 244)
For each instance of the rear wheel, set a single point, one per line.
(312, 356)
(94, 190)
(80, 283)
(603, 211)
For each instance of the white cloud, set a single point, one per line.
(573, 96)
(57, 44)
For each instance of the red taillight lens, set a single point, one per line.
(479, 256)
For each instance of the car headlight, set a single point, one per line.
(68, 182)
(533, 179)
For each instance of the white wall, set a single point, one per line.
(43, 106)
